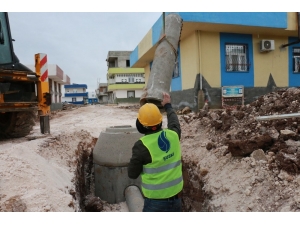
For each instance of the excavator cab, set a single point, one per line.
(19, 89)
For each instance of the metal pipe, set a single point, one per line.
(134, 199)
(275, 117)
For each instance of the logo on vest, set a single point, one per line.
(163, 142)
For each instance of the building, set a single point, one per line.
(101, 93)
(92, 98)
(124, 84)
(56, 79)
(76, 94)
(247, 53)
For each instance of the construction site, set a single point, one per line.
(232, 161)
(243, 158)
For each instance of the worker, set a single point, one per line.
(156, 157)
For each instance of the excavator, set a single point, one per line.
(24, 94)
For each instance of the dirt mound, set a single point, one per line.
(236, 162)
(243, 132)
(133, 107)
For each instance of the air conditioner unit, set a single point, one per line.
(267, 45)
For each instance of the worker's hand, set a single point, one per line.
(166, 98)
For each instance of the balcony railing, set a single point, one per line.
(76, 94)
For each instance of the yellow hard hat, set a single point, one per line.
(149, 115)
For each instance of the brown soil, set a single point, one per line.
(232, 162)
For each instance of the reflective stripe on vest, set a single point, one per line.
(162, 186)
(162, 168)
(162, 178)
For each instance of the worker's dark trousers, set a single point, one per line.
(154, 205)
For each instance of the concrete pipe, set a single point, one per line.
(134, 199)
(111, 156)
(164, 62)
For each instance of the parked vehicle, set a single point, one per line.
(24, 94)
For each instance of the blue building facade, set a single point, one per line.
(76, 94)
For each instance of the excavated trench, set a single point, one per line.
(236, 132)
(193, 198)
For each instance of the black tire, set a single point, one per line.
(16, 124)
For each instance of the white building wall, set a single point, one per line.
(121, 93)
(69, 99)
(111, 81)
(138, 93)
(52, 69)
(66, 99)
(92, 94)
(75, 90)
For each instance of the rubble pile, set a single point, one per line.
(243, 133)
(68, 106)
(133, 107)
(235, 162)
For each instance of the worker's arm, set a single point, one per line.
(140, 157)
(173, 122)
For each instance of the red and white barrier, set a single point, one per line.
(44, 67)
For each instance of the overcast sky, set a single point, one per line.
(77, 36)
(78, 42)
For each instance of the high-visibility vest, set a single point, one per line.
(162, 178)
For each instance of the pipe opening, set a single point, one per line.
(154, 101)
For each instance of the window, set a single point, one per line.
(236, 57)
(73, 99)
(131, 79)
(112, 64)
(130, 94)
(5, 53)
(296, 61)
(127, 63)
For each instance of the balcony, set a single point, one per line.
(126, 86)
(125, 70)
(76, 94)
